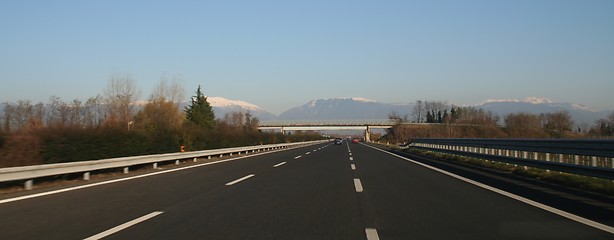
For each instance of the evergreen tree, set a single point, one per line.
(429, 117)
(200, 111)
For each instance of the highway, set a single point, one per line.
(325, 191)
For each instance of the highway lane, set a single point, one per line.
(409, 200)
(310, 197)
(305, 193)
(85, 212)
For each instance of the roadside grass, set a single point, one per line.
(592, 184)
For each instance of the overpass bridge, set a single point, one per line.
(365, 125)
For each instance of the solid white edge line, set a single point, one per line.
(556, 211)
(371, 234)
(126, 179)
(358, 185)
(279, 164)
(123, 226)
(239, 180)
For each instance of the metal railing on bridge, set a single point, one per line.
(350, 122)
(585, 157)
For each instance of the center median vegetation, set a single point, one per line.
(115, 124)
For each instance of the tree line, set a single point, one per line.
(449, 121)
(115, 124)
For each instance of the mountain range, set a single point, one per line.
(362, 108)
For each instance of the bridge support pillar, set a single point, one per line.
(368, 134)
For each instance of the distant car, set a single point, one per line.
(355, 141)
(338, 141)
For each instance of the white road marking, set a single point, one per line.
(357, 185)
(297, 157)
(351, 158)
(350, 154)
(124, 179)
(556, 211)
(371, 234)
(279, 164)
(123, 226)
(307, 153)
(353, 166)
(240, 179)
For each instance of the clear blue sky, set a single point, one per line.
(280, 54)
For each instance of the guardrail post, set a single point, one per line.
(576, 159)
(195, 159)
(561, 158)
(86, 176)
(155, 165)
(593, 161)
(126, 170)
(176, 162)
(28, 185)
(209, 157)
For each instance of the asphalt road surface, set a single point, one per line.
(325, 191)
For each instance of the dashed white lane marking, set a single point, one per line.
(350, 154)
(239, 180)
(279, 164)
(357, 185)
(351, 159)
(510, 195)
(123, 226)
(353, 166)
(307, 153)
(371, 234)
(126, 179)
(297, 157)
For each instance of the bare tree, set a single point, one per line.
(93, 112)
(37, 121)
(120, 94)
(171, 91)
(8, 117)
(162, 110)
(419, 112)
(559, 122)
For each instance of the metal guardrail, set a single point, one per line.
(585, 157)
(29, 173)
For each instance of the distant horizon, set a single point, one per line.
(278, 54)
(525, 100)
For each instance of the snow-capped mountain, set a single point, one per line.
(221, 106)
(344, 108)
(534, 105)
